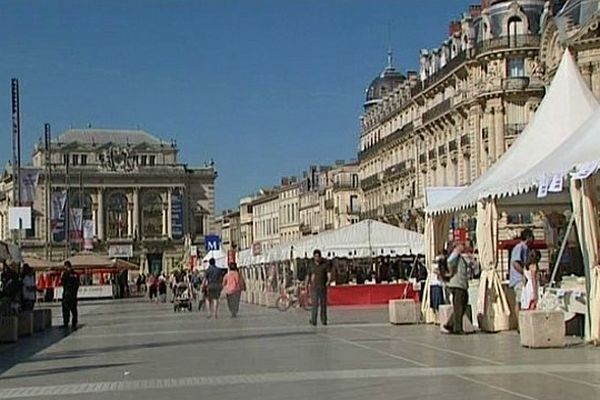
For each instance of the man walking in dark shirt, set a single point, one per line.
(70, 284)
(319, 278)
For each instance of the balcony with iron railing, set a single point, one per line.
(513, 130)
(370, 182)
(437, 110)
(397, 134)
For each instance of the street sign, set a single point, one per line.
(212, 242)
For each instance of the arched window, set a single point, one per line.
(83, 201)
(516, 27)
(117, 215)
(152, 215)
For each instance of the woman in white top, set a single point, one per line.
(436, 292)
(529, 295)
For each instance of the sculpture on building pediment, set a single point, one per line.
(537, 68)
(118, 159)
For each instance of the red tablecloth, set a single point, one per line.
(352, 295)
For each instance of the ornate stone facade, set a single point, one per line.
(447, 123)
(131, 188)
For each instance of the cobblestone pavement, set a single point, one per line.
(135, 350)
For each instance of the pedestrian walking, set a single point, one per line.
(70, 285)
(319, 277)
(458, 285)
(233, 286)
(214, 286)
(162, 289)
(29, 289)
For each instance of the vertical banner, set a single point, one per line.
(29, 181)
(88, 234)
(177, 215)
(58, 216)
(76, 223)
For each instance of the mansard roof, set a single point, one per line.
(103, 136)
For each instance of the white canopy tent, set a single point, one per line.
(568, 104)
(364, 239)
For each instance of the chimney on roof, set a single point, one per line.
(454, 28)
(475, 11)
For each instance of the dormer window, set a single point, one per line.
(152, 160)
(75, 159)
(84, 159)
(144, 160)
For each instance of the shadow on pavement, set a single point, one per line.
(166, 343)
(62, 370)
(26, 348)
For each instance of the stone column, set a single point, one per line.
(164, 220)
(595, 79)
(129, 220)
(95, 219)
(489, 122)
(169, 213)
(586, 72)
(499, 129)
(476, 146)
(136, 213)
(100, 217)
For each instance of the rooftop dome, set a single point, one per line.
(383, 84)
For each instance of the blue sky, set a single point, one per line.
(263, 87)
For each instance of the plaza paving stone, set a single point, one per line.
(133, 349)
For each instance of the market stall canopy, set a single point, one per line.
(90, 261)
(122, 264)
(364, 239)
(567, 105)
(41, 264)
(580, 154)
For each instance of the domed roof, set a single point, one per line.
(386, 82)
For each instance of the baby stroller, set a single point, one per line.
(183, 297)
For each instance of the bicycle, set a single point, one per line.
(294, 296)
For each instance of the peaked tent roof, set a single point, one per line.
(567, 105)
(581, 147)
(363, 239)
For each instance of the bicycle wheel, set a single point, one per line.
(283, 303)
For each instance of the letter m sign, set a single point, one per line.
(212, 242)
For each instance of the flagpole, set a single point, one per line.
(47, 137)
(81, 205)
(67, 209)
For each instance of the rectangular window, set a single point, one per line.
(144, 160)
(65, 159)
(516, 67)
(84, 159)
(152, 160)
(75, 159)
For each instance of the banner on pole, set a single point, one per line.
(29, 179)
(58, 216)
(88, 234)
